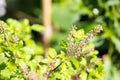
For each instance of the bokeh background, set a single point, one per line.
(84, 14)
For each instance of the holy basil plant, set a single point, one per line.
(21, 57)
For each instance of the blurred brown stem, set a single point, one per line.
(46, 5)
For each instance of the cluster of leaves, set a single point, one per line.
(21, 57)
(17, 46)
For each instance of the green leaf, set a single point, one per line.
(52, 53)
(61, 55)
(83, 75)
(37, 27)
(6, 73)
(75, 63)
(63, 44)
(79, 34)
